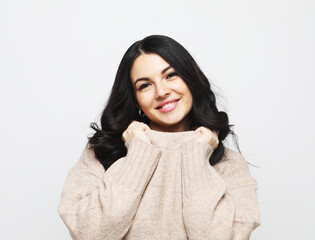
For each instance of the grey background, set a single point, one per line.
(57, 63)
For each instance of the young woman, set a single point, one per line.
(157, 168)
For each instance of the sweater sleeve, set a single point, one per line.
(218, 203)
(101, 205)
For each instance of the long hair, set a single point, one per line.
(121, 108)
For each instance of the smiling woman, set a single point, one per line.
(157, 167)
(162, 94)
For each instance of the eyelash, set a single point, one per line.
(172, 74)
(143, 86)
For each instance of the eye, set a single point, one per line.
(172, 74)
(144, 85)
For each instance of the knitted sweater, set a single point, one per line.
(163, 190)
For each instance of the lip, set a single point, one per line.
(169, 108)
(166, 102)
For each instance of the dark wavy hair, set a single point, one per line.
(121, 108)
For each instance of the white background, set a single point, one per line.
(58, 59)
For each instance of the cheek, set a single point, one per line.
(188, 96)
(183, 89)
(180, 86)
(143, 101)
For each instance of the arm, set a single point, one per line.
(101, 205)
(218, 203)
(241, 188)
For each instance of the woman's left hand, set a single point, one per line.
(208, 136)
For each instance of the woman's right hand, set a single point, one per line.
(136, 130)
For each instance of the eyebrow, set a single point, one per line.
(145, 78)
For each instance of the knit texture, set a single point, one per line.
(163, 190)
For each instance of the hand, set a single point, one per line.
(208, 136)
(136, 130)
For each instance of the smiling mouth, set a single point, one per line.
(168, 104)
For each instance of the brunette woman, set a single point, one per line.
(156, 168)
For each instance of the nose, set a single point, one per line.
(162, 90)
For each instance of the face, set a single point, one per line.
(161, 93)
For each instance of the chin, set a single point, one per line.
(170, 124)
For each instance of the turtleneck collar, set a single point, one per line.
(171, 139)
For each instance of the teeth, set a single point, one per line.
(167, 105)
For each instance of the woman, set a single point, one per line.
(157, 168)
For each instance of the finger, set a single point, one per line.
(215, 132)
(132, 124)
(123, 136)
(141, 126)
(200, 129)
(146, 127)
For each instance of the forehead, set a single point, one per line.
(147, 65)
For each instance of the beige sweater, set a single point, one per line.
(163, 190)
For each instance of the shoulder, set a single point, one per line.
(231, 158)
(233, 166)
(88, 163)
